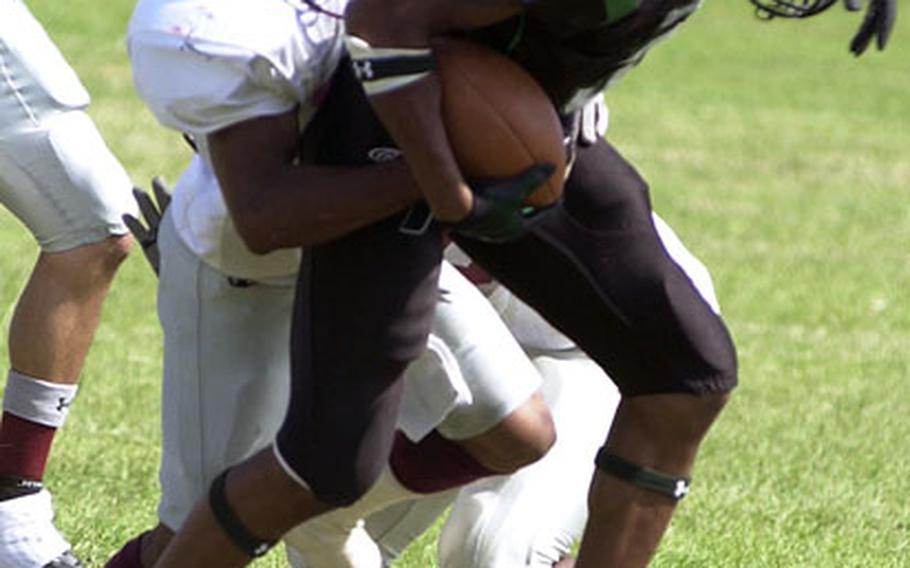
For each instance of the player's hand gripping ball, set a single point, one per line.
(498, 119)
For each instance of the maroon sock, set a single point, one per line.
(24, 447)
(130, 556)
(433, 464)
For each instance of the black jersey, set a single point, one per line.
(578, 48)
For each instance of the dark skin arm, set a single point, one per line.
(276, 203)
(412, 114)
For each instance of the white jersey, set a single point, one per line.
(204, 65)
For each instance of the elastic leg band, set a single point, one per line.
(242, 538)
(674, 487)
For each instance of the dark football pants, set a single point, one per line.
(364, 306)
(596, 269)
(363, 310)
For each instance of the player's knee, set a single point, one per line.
(526, 451)
(86, 267)
(116, 249)
(724, 362)
(672, 424)
(654, 441)
(105, 256)
(710, 406)
(342, 482)
(347, 491)
(534, 439)
(520, 439)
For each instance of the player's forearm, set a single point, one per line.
(307, 205)
(275, 202)
(410, 110)
(412, 117)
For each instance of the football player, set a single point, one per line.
(531, 518)
(244, 77)
(669, 398)
(61, 181)
(594, 267)
(471, 403)
(201, 242)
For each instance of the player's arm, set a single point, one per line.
(409, 104)
(276, 202)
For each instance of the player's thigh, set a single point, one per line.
(363, 310)
(481, 349)
(36, 73)
(56, 173)
(63, 183)
(533, 517)
(226, 371)
(597, 270)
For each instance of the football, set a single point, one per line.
(498, 119)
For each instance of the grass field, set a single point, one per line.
(784, 163)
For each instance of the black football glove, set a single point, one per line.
(151, 211)
(498, 212)
(878, 23)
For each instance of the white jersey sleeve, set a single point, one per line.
(202, 65)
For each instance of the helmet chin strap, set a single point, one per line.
(768, 9)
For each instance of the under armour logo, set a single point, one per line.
(63, 403)
(682, 489)
(382, 154)
(29, 484)
(261, 549)
(363, 69)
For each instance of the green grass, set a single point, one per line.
(782, 160)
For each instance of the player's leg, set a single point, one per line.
(533, 517)
(672, 419)
(226, 369)
(597, 270)
(363, 309)
(58, 177)
(470, 410)
(542, 508)
(503, 424)
(396, 527)
(529, 518)
(49, 336)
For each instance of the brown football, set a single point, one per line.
(498, 119)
